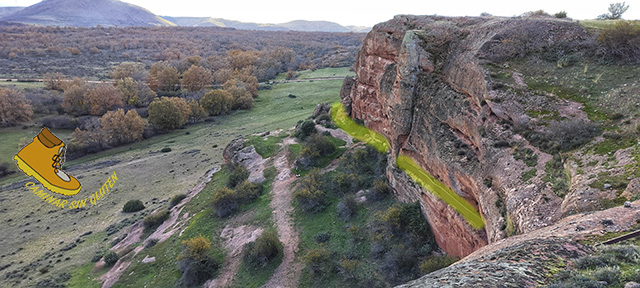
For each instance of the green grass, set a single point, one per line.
(294, 152)
(443, 192)
(526, 176)
(248, 277)
(597, 24)
(326, 72)
(612, 145)
(590, 107)
(21, 85)
(356, 130)
(266, 147)
(84, 277)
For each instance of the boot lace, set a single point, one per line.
(58, 160)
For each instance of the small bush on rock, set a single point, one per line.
(258, 253)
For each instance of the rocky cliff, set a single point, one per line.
(457, 95)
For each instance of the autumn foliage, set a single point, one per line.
(169, 113)
(196, 78)
(217, 102)
(14, 107)
(120, 128)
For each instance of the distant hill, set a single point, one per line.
(297, 25)
(85, 13)
(4, 11)
(303, 25)
(219, 22)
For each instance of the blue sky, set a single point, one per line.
(359, 12)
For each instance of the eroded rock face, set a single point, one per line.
(235, 152)
(421, 83)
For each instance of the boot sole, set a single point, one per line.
(30, 172)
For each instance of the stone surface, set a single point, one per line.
(235, 152)
(421, 82)
(148, 259)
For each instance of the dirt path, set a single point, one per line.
(287, 274)
(235, 238)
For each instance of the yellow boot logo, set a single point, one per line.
(42, 159)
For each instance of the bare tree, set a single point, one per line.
(615, 11)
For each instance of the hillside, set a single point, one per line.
(5, 11)
(297, 25)
(85, 14)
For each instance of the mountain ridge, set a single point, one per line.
(295, 25)
(91, 13)
(85, 14)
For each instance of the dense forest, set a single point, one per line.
(30, 51)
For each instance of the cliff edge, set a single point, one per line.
(507, 112)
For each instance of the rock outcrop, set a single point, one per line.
(424, 83)
(236, 152)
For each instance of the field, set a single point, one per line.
(32, 227)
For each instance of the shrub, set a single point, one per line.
(195, 263)
(225, 202)
(242, 96)
(258, 253)
(135, 93)
(163, 76)
(561, 15)
(176, 199)
(627, 253)
(217, 102)
(4, 170)
(347, 208)
(156, 219)
(400, 264)
(102, 98)
(197, 112)
(164, 114)
(14, 107)
(120, 128)
(237, 175)
(131, 70)
(537, 13)
(435, 263)
(196, 247)
(60, 122)
(151, 242)
(323, 237)
(319, 261)
(594, 261)
(165, 150)
(132, 206)
(350, 268)
(379, 190)
(621, 42)
(305, 129)
(310, 200)
(611, 275)
(196, 78)
(196, 272)
(110, 258)
(317, 146)
(248, 191)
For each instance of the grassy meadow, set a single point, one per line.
(32, 227)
